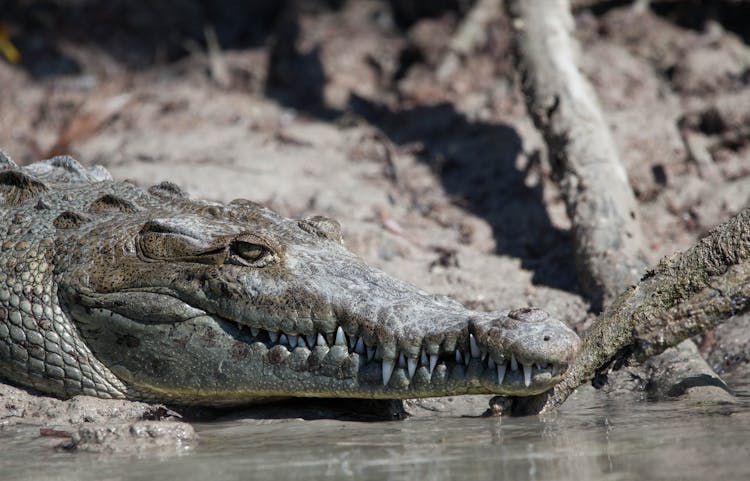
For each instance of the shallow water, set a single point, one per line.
(593, 438)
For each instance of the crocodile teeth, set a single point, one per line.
(467, 359)
(526, 374)
(387, 370)
(340, 338)
(254, 331)
(283, 339)
(370, 353)
(433, 362)
(501, 372)
(359, 348)
(301, 341)
(401, 361)
(459, 358)
(423, 358)
(310, 338)
(321, 341)
(411, 366)
(513, 363)
(473, 346)
(352, 342)
(274, 336)
(293, 340)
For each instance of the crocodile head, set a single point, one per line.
(203, 303)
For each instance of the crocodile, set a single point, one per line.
(111, 290)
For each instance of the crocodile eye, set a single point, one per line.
(251, 254)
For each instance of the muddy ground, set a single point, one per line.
(352, 109)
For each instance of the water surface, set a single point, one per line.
(593, 438)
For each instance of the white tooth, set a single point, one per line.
(473, 346)
(491, 363)
(370, 353)
(274, 336)
(459, 358)
(352, 342)
(411, 366)
(401, 361)
(301, 341)
(423, 358)
(501, 372)
(254, 331)
(283, 339)
(293, 340)
(526, 374)
(433, 362)
(310, 338)
(467, 360)
(513, 363)
(387, 371)
(340, 338)
(359, 348)
(378, 354)
(321, 341)
(484, 355)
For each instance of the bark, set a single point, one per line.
(686, 294)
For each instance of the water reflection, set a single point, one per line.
(592, 439)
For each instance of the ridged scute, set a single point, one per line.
(17, 187)
(112, 203)
(65, 168)
(167, 190)
(69, 220)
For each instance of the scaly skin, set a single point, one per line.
(113, 291)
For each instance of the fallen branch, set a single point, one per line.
(686, 294)
(609, 244)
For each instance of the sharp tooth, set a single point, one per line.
(411, 366)
(423, 358)
(352, 342)
(401, 361)
(254, 331)
(467, 360)
(378, 354)
(293, 340)
(283, 339)
(359, 348)
(433, 362)
(526, 374)
(473, 346)
(274, 336)
(491, 363)
(459, 358)
(513, 363)
(340, 338)
(387, 370)
(301, 341)
(501, 372)
(321, 341)
(370, 353)
(310, 338)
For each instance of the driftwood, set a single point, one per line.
(685, 294)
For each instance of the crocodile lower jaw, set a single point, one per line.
(422, 375)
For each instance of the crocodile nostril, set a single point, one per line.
(546, 338)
